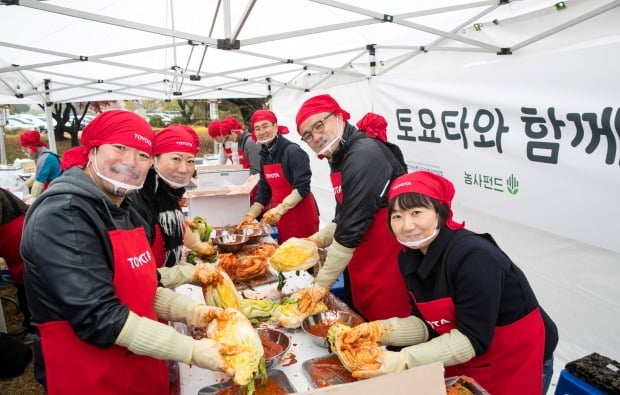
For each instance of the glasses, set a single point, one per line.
(318, 128)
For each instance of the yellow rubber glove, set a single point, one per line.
(307, 298)
(336, 261)
(324, 237)
(394, 331)
(451, 348)
(143, 336)
(172, 277)
(37, 188)
(172, 306)
(391, 362)
(207, 354)
(275, 214)
(253, 212)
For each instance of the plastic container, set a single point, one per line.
(568, 384)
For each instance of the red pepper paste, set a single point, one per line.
(329, 371)
(271, 348)
(272, 387)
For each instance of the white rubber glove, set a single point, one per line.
(255, 209)
(324, 237)
(172, 277)
(451, 348)
(37, 188)
(392, 362)
(393, 331)
(173, 306)
(275, 214)
(143, 336)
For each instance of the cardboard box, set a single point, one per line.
(212, 177)
(423, 380)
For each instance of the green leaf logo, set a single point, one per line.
(513, 185)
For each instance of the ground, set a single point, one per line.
(26, 383)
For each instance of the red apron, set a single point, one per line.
(228, 152)
(11, 236)
(242, 159)
(73, 366)
(300, 221)
(159, 247)
(376, 257)
(514, 360)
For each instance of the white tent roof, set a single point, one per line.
(166, 49)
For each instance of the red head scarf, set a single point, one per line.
(318, 104)
(215, 129)
(266, 115)
(71, 157)
(230, 124)
(114, 127)
(429, 184)
(374, 125)
(176, 138)
(32, 140)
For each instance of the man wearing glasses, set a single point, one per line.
(360, 244)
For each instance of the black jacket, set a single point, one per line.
(367, 167)
(68, 258)
(486, 288)
(295, 165)
(159, 204)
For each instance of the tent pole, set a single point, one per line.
(2, 124)
(51, 133)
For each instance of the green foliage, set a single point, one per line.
(21, 108)
(157, 121)
(180, 119)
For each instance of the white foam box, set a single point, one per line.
(219, 210)
(212, 177)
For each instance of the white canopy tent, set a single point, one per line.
(113, 50)
(416, 62)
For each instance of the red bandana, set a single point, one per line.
(114, 127)
(374, 125)
(318, 104)
(176, 138)
(429, 184)
(215, 129)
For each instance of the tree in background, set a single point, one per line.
(73, 114)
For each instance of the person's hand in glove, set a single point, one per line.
(307, 298)
(178, 307)
(144, 336)
(253, 212)
(391, 362)
(324, 237)
(206, 354)
(275, 214)
(338, 257)
(393, 331)
(372, 330)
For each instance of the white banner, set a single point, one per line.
(533, 139)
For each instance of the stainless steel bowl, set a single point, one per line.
(254, 234)
(318, 321)
(277, 337)
(231, 242)
(224, 231)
